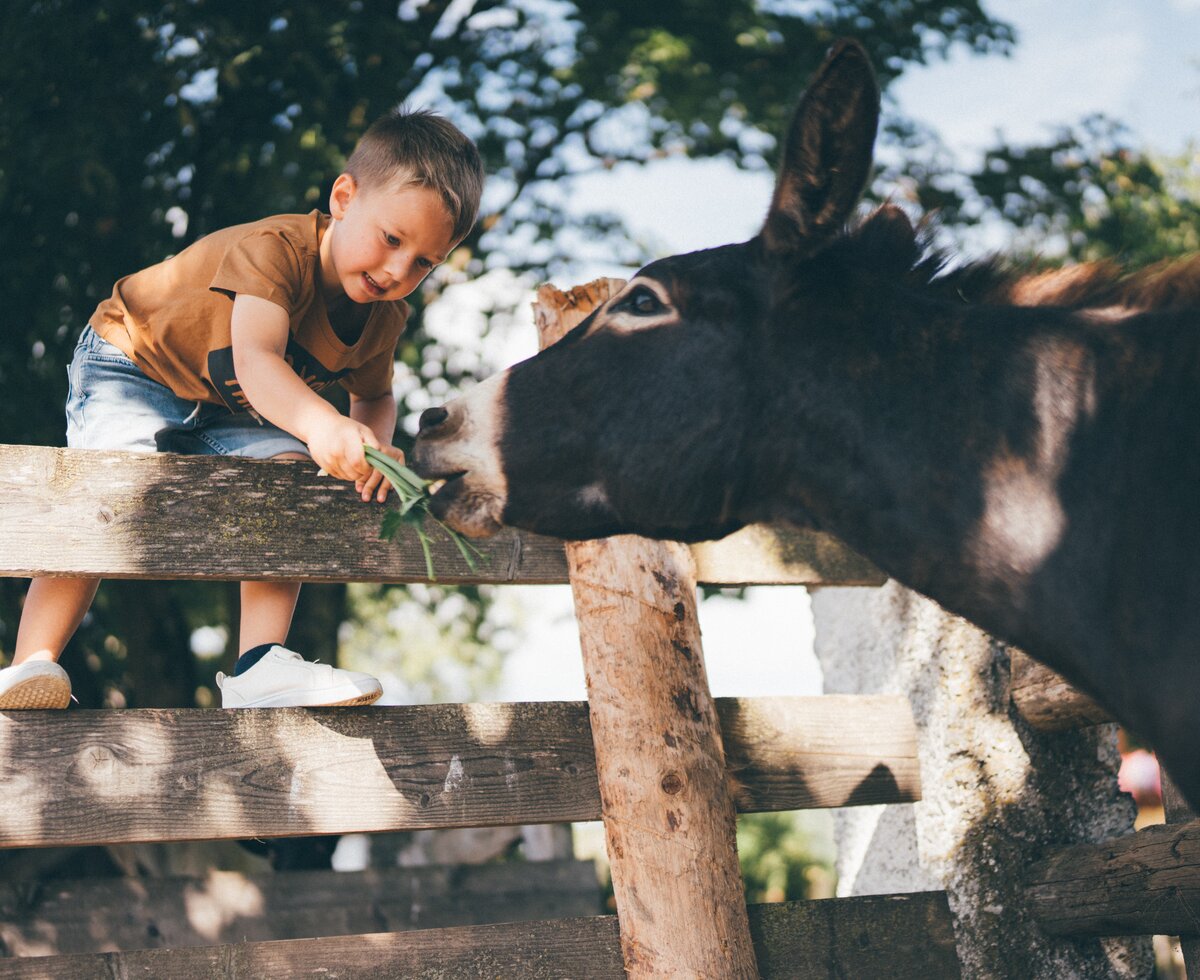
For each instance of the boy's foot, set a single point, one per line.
(34, 684)
(284, 679)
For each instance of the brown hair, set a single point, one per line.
(416, 147)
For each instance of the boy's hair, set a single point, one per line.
(416, 147)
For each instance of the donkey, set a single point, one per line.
(1024, 452)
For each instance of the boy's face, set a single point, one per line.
(383, 240)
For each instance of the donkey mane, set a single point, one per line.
(887, 242)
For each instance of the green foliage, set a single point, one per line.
(441, 644)
(1085, 194)
(412, 510)
(786, 856)
(1092, 191)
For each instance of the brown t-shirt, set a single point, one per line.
(173, 318)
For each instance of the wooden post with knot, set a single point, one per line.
(668, 811)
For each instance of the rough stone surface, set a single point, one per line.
(996, 794)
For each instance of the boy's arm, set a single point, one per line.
(260, 335)
(379, 415)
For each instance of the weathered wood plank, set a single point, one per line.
(158, 516)
(901, 937)
(99, 915)
(1047, 701)
(122, 776)
(1177, 811)
(1147, 883)
(853, 748)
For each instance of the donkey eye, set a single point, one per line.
(644, 303)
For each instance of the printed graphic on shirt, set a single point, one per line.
(310, 370)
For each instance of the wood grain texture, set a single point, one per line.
(158, 516)
(101, 915)
(1177, 811)
(669, 818)
(900, 937)
(1144, 884)
(122, 776)
(1047, 701)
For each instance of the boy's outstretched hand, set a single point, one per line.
(336, 444)
(376, 485)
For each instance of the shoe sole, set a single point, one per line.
(360, 699)
(36, 693)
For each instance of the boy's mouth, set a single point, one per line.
(373, 287)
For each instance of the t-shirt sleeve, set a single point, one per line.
(262, 263)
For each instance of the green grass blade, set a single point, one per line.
(424, 539)
(405, 481)
(413, 494)
(464, 546)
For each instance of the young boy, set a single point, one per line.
(223, 348)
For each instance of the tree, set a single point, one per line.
(1087, 193)
(1095, 195)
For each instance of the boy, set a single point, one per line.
(223, 348)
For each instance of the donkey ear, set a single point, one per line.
(827, 155)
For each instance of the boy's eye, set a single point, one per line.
(391, 240)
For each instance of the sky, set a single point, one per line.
(1137, 62)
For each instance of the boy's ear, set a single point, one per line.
(344, 189)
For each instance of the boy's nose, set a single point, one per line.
(399, 268)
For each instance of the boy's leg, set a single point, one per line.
(53, 609)
(267, 609)
(111, 404)
(267, 674)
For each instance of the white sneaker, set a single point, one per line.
(284, 679)
(34, 684)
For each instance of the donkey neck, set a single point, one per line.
(938, 439)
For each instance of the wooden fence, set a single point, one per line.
(118, 776)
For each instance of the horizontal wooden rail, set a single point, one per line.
(120, 776)
(101, 915)
(1047, 701)
(1147, 883)
(159, 516)
(902, 937)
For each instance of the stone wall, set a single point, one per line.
(996, 794)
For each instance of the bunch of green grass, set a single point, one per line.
(413, 495)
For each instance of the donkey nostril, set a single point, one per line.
(431, 418)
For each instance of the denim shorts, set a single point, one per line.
(112, 404)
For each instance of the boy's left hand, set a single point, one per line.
(376, 485)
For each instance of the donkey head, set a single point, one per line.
(649, 417)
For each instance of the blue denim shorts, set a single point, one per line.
(112, 404)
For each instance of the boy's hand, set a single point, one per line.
(336, 444)
(376, 484)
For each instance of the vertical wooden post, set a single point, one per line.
(1176, 810)
(669, 818)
